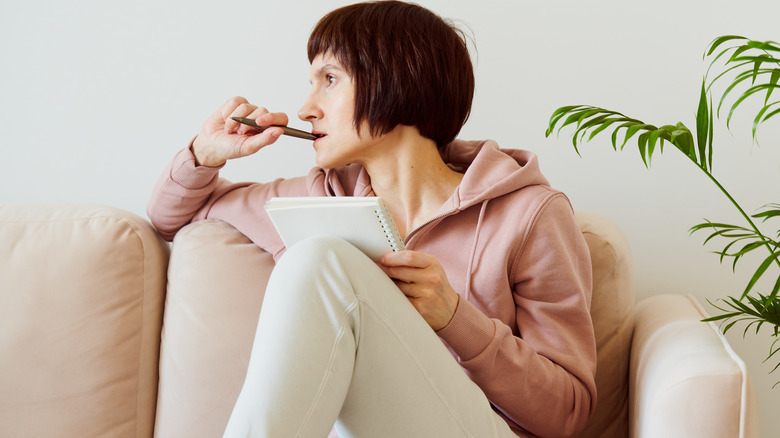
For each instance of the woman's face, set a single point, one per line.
(330, 109)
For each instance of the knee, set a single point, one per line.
(317, 266)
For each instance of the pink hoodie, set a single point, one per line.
(509, 245)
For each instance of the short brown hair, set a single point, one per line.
(410, 66)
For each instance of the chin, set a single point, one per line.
(330, 161)
(324, 163)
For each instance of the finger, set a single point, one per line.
(271, 119)
(401, 273)
(261, 140)
(408, 258)
(424, 278)
(410, 290)
(244, 129)
(230, 105)
(242, 110)
(216, 121)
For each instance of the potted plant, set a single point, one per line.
(749, 69)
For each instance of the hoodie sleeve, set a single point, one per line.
(186, 193)
(541, 376)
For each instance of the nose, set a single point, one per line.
(310, 111)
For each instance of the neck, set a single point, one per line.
(410, 177)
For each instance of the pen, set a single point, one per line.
(292, 132)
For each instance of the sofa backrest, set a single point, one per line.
(216, 282)
(612, 309)
(81, 295)
(217, 278)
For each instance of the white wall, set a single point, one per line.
(96, 97)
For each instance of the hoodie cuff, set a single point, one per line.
(469, 332)
(188, 174)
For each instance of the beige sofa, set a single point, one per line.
(91, 345)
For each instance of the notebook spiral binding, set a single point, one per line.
(388, 225)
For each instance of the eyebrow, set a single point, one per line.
(325, 67)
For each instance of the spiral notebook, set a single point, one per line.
(362, 221)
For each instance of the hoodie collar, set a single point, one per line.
(489, 172)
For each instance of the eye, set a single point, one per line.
(330, 78)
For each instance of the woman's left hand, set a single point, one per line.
(422, 279)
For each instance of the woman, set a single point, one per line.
(480, 328)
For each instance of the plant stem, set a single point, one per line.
(740, 209)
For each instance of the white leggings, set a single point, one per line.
(338, 343)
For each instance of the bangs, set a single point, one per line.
(409, 66)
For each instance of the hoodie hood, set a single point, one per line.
(489, 172)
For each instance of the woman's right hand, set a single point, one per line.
(222, 138)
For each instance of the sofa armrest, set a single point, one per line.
(685, 380)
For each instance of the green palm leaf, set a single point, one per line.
(756, 312)
(748, 93)
(763, 309)
(589, 121)
(754, 60)
(770, 211)
(751, 240)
